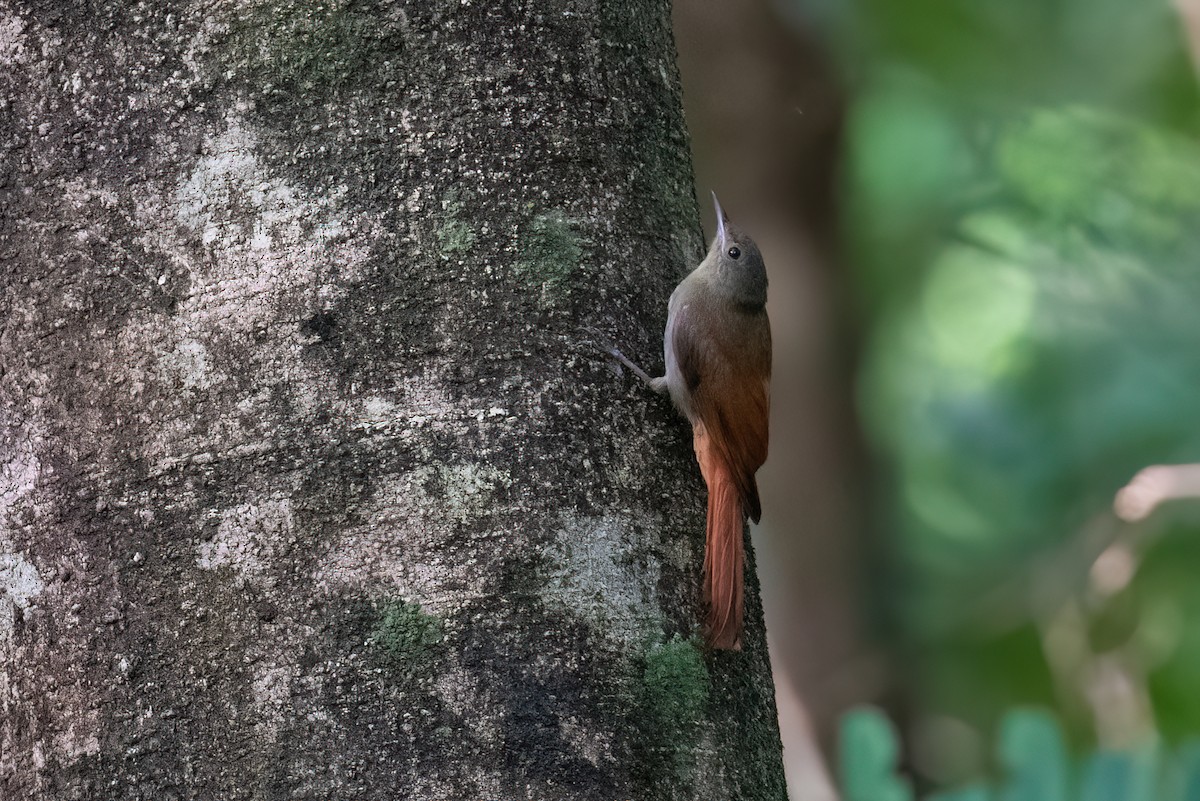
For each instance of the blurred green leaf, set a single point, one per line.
(1032, 751)
(1114, 776)
(868, 750)
(966, 794)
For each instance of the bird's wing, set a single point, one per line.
(728, 378)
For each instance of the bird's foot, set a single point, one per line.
(602, 344)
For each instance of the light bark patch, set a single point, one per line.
(20, 583)
(247, 539)
(259, 228)
(596, 573)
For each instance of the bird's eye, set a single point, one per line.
(734, 253)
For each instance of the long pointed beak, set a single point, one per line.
(721, 220)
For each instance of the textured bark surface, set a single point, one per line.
(310, 484)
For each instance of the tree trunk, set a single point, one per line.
(311, 485)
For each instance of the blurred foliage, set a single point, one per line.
(1034, 766)
(868, 750)
(1031, 750)
(1023, 206)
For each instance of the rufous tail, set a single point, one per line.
(723, 551)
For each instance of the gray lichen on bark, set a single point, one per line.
(292, 377)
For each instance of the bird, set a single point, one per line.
(717, 349)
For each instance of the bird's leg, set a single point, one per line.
(659, 385)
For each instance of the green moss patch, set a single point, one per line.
(454, 236)
(550, 253)
(405, 637)
(675, 689)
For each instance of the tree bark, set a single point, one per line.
(311, 485)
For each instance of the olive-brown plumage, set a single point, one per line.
(717, 348)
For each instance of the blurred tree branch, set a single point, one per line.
(1189, 10)
(1155, 485)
